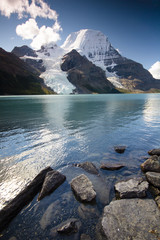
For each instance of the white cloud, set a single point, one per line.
(45, 36)
(37, 8)
(155, 70)
(28, 30)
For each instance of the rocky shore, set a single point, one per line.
(133, 213)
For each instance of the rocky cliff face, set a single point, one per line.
(17, 77)
(84, 75)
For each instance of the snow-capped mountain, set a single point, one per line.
(95, 46)
(155, 70)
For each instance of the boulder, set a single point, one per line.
(52, 181)
(111, 166)
(83, 188)
(71, 226)
(23, 198)
(154, 152)
(136, 219)
(132, 188)
(152, 164)
(120, 149)
(153, 178)
(88, 167)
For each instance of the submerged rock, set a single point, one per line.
(153, 178)
(111, 166)
(71, 226)
(120, 149)
(88, 167)
(85, 237)
(154, 152)
(132, 188)
(152, 164)
(136, 219)
(52, 181)
(83, 188)
(87, 212)
(50, 214)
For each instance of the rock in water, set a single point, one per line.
(153, 178)
(83, 188)
(154, 152)
(88, 167)
(111, 166)
(152, 164)
(52, 181)
(136, 219)
(120, 149)
(132, 188)
(71, 226)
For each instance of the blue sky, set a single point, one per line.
(132, 26)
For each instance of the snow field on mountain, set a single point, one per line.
(155, 70)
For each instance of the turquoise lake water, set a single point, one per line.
(58, 131)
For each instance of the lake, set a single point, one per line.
(59, 131)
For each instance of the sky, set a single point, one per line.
(132, 26)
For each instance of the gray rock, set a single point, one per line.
(153, 178)
(120, 149)
(131, 219)
(132, 188)
(85, 237)
(88, 167)
(50, 214)
(71, 226)
(152, 164)
(83, 188)
(52, 181)
(154, 152)
(111, 166)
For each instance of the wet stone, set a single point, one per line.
(152, 164)
(153, 178)
(120, 149)
(111, 166)
(132, 188)
(83, 188)
(70, 226)
(88, 167)
(52, 181)
(154, 152)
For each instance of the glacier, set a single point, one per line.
(90, 43)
